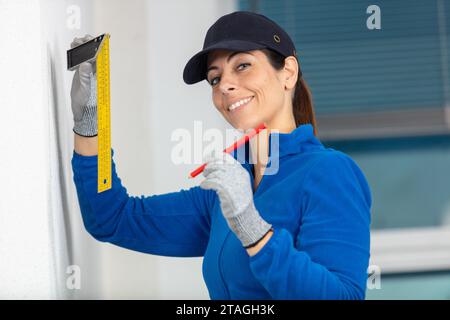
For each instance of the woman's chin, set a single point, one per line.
(246, 125)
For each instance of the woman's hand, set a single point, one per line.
(84, 95)
(232, 183)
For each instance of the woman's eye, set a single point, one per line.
(212, 83)
(242, 64)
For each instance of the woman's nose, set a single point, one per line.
(227, 83)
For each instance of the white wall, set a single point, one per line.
(151, 41)
(81, 249)
(41, 227)
(25, 255)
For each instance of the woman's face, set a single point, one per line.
(248, 77)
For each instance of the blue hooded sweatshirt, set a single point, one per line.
(318, 203)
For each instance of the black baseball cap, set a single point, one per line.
(239, 31)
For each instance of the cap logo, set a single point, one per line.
(276, 38)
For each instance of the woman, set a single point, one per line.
(302, 233)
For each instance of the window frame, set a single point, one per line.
(408, 250)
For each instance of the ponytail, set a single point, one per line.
(302, 104)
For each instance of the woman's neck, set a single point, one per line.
(259, 145)
(259, 148)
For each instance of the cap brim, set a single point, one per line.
(195, 69)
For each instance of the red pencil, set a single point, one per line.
(231, 148)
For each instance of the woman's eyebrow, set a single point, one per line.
(228, 59)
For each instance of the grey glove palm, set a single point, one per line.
(231, 181)
(84, 95)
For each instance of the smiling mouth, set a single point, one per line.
(235, 108)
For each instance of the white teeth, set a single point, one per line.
(239, 103)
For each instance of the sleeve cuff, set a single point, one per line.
(269, 246)
(80, 159)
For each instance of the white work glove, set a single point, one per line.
(84, 95)
(231, 181)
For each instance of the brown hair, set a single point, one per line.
(302, 103)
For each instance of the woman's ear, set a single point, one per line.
(291, 72)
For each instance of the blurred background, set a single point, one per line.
(379, 73)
